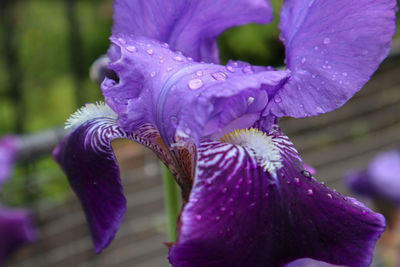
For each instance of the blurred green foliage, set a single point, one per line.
(47, 80)
(256, 44)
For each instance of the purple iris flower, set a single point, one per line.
(248, 201)
(380, 179)
(9, 149)
(16, 229)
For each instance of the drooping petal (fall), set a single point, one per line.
(86, 156)
(189, 26)
(332, 49)
(380, 179)
(252, 204)
(16, 229)
(180, 97)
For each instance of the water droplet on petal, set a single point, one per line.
(225, 189)
(319, 110)
(344, 74)
(248, 69)
(219, 76)
(327, 40)
(190, 59)
(303, 60)
(174, 120)
(217, 218)
(169, 69)
(178, 58)
(297, 181)
(310, 192)
(195, 84)
(250, 100)
(165, 45)
(199, 73)
(223, 208)
(198, 217)
(277, 99)
(152, 74)
(131, 48)
(109, 83)
(316, 48)
(364, 212)
(149, 51)
(121, 40)
(230, 68)
(330, 196)
(306, 174)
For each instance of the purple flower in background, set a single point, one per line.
(9, 149)
(16, 229)
(380, 179)
(248, 201)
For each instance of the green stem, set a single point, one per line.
(172, 202)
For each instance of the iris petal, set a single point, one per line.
(86, 156)
(183, 98)
(332, 48)
(189, 26)
(240, 215)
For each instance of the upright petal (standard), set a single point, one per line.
(332, 49)
(189, 26)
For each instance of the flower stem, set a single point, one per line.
(172, 202)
